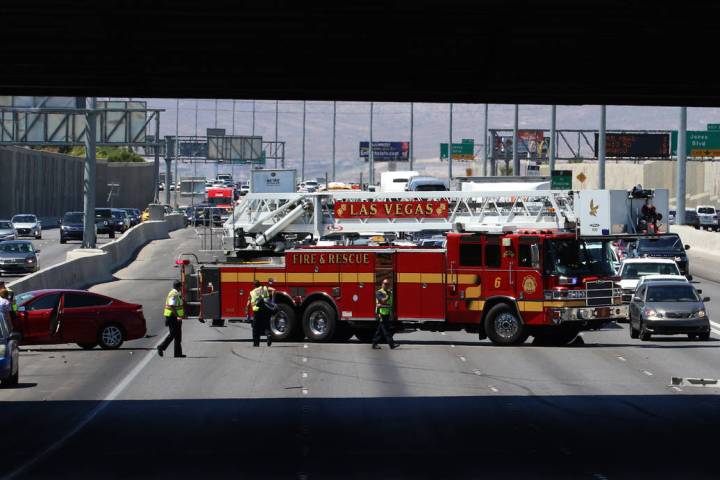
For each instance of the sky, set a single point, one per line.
(391, 122)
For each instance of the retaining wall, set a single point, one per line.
(50, 184)
(86, 267)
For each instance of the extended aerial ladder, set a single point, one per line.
(260, 218)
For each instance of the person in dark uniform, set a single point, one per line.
(383, 310)
(261, 312)
(173, 313)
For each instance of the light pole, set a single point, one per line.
(89, 174)
(450, 139)
(334, 118)
(177, 149)
(553, 134)
(412, 132)
(601, 148)
(515, 154)
(276, 132)
(302, 170)
(681, 165)
(371, 159)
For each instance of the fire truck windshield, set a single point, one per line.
(215, 201)
(578, 257)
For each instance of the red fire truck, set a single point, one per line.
(221, 197)
(502, 286)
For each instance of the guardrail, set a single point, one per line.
(85, 267)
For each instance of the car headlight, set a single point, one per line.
(701, 313)
(678, 259)
(105, 223)
(651, 313)
(29, 260)
(3, 350)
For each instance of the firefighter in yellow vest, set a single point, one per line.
(383, 310)
(173, 313)
(260, 313)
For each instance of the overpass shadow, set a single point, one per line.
(611, 436)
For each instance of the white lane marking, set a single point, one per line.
(452, 345)
(477, 372)
(304, 359)
(622, 359)
(443, 333)
(715, 324)
(304, 375)
(493, 389)
(305, 346)
(462, 359)
(304, 391)
(649, 374)
(91, 415)
(677, 389)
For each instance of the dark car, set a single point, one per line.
(9, 353)
(134, 214)
(663, 246)
(121, 220)
(47, 317)
(72, 226)
(105, 222)
(18, 256)
(668, 308)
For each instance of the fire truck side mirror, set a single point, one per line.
(535, 255)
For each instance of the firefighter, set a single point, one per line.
(259, 300)
(383, 309)
(173, 314)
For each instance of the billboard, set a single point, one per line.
(273, 181)
(532, 144)
(635, 145)
(386, 151)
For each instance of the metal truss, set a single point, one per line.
(195, 149)
(66, 126)
(264, 216)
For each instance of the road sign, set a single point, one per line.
(561, 180)
(386, 151)
(713, 126)
(464, 150)
(581, 177)
(698, 142)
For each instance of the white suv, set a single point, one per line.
(708, 217)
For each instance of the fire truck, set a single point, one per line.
(513, 265)
(221, 197)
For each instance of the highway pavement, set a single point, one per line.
(52, 251)
(439, 406)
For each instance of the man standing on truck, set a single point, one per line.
(258, 300)
(173, 314)
(383, 309)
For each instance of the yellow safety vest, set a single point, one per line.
(386, 307)
(178, 307)
(258, 293)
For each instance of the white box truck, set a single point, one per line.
(396, 181)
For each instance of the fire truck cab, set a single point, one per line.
(505, 287)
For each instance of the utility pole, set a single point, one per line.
(302, 170)
(333, 141)
(217, 164)
(486, 143)
(553, 144)
(177, 150)
(515, 155)
(412, 133)
(253, 118)
(276, 132)
(371, 159)
(89, 174)
(156, 196)
(450, 139)
(194, 160)
(681, 166)
(601, 147)
(232, 163)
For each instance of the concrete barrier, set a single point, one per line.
(704, 253)
(85, 267)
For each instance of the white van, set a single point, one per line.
(707, 217)
(396, 181)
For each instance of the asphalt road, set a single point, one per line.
(52, 251)
(440, 406)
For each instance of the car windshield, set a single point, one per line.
(102, 213)
(5, 225)
(73, 218)
(661, 243)
(24, 297)
(578, 257)
(12, 247)
(118, 214)
(671, 293)
(24, 219)
(706, 210)
(632, 271)
(430, 187)
(219, 201)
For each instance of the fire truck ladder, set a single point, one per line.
(263, 216)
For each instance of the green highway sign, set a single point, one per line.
(460, 151)
(699, 143)
(561, 180)
(713, 126)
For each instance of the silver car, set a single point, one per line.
(27, 225)
(7, 232)
(668, 308)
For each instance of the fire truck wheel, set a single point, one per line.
(282, 324)
(319, 321)
(503, 326)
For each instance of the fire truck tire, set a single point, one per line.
(319, 321)
(364, 335)
(504, 327)
(283, 325)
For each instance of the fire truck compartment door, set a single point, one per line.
(211, 306)
(420, 286)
